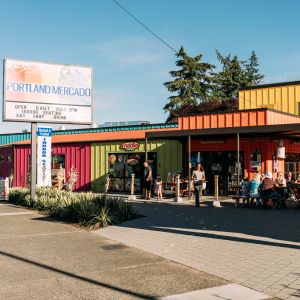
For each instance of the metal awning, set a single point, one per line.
(291, 131)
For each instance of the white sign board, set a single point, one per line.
(4, 189)
(44, 136)
(44, 92)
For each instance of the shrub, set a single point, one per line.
(86, 209)
(18, 195)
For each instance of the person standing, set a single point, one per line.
(158, 188)
(198, 177)
(147, 181)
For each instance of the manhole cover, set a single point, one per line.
(113, 247)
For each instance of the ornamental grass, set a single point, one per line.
(87, 209)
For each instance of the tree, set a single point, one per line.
(24, 131)
(230, 79)
(252, 75)
(235, 74)
(191, 84)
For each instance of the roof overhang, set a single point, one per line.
(291, 131)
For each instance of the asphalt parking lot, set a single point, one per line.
(44, 259)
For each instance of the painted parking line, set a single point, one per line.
(230, 291)
(17, 213)
(8, 236)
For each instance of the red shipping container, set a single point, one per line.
(77, 155)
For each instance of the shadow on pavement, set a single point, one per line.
(75, 276)
(282, 225)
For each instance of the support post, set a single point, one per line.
(189, 167)
(178, 198)
(33, 169)
(132, 195)
(216, 202)
(238, 159)
(146, 151)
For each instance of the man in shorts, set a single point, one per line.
(147, 180)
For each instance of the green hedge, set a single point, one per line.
(86, 209)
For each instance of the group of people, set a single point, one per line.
(198, 178)
(262, 187)
(267, 190)
(147, 183)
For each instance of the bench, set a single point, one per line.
(237, 199)
(277, 202)
(248, 199)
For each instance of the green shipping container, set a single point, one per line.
(167, 152)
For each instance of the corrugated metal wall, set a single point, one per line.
(223, 120)
(236, 119)
(6, 161)
(21, 166)
(77, 155)
(169, 158)
(283, 98)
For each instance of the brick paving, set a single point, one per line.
(256, 248)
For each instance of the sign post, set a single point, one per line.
(33, 161)
(44, 156)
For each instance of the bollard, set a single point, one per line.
(132, 195)
(216, 202)
(177, 198)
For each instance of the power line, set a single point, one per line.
(143, 25)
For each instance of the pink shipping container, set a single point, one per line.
(6, 163)
(77, 155)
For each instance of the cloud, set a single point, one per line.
(130, 50)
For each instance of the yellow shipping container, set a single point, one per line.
(284, 96)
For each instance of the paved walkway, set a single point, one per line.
(259, 249)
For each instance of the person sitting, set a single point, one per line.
(280, 180)
(281, 183)
(297, 181)
(245, 190)
(254, 189)
(289, 178)
(268, 190)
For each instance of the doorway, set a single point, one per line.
(221, 163)
(123, 165)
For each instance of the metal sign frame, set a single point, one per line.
(41, 103)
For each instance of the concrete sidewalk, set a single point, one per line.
(259, 249)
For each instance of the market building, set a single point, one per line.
(263, 137)
(95, 153)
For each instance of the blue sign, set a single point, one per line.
(44, 131)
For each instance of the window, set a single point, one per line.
(123, 165)
(58, 161)
(292, 164)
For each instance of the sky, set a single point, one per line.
(129, 64)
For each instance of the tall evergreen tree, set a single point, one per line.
(252, 75)
(191, 84)
(230, 79)
(235, 74)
